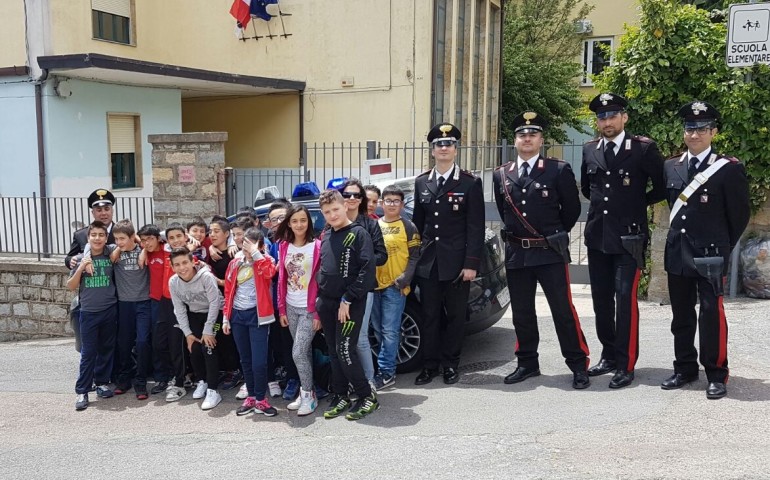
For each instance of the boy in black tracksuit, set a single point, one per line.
(346, 274)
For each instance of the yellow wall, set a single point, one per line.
(263, 132)
(369, 40)
(12, 45)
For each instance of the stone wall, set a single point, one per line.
(188, 176)
(34, 300)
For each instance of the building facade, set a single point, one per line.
(84, 82)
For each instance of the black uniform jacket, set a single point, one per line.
(548, 199)
(619, 196)
(712, 220)
(450, 222)
(79, 242)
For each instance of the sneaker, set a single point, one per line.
(264, 407)
(292, 389)
(121, 389)
(338, 405)
(231, 380)
(293, 406)
(247, 406)
(243, 393)
(200, 390)
(104, 391)
(174, 393)
(212, 399)
(363, 407)
(308, 403)
(159, 387)
(82, 402)
(275, 389)
(383, 381)
(141, 392)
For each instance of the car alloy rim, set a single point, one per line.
(410, 339)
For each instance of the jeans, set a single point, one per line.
(363, 346)
(134, 329)
(251, 338)
(387, 307)
(97, 347)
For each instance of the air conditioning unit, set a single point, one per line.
(583, 26)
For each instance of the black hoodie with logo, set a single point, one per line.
(347, 266)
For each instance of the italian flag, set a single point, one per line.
(240, 10)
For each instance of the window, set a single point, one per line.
(125, 150)
(596, 56)
(111, 20)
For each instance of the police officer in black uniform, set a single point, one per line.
(538, 200)
(101, 202)
(708, 194)
(615, 173)
(449, 214)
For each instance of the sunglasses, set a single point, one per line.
(444, 143)
(352, 195)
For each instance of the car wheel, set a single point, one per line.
(410, 346)
(410, 343)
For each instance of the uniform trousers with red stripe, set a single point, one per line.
(614, 283)
(710, 323)
(554, 279)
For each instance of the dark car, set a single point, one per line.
(487, 301)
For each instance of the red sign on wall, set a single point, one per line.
(186, 174)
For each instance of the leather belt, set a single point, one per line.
(527, 242)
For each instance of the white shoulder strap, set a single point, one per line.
(699, 180)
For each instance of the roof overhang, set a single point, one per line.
(193, 82)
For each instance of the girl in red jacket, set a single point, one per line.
(298, 262)
(248, 313)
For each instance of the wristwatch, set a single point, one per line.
(345, 301)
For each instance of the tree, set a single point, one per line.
(540, 67)
(676, 55)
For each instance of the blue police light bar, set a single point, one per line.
(337, 183)
(306, 189)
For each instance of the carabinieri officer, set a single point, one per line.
(708, 194)
(615, 172)
(538, 200)
(449, 214)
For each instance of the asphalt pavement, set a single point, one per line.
(478, 428)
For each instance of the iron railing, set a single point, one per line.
(43, 226)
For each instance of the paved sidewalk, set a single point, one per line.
(479, 428)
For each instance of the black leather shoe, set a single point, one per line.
(451, 375)
(604, 366)
(716, 390)
(622, 378)
(677, 380)
(426, 376)
(580, 380)
(521, 374)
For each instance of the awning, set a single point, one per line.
(193, 82)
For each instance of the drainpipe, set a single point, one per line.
(41, 164)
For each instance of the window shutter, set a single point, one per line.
(122, 133)
(114, 7)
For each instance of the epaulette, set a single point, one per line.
(642, 138)
(425, 173)
(595, 140)
(467, 173)
(732, 159)
(558, 160)
(506, 165)
(676, 156)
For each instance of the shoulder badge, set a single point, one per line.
(642, 138)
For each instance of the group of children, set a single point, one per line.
(233, 297)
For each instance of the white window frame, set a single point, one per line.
(587, 58)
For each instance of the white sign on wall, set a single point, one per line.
(748, 34)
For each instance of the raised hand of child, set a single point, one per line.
(88, 265)
(214, 253)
